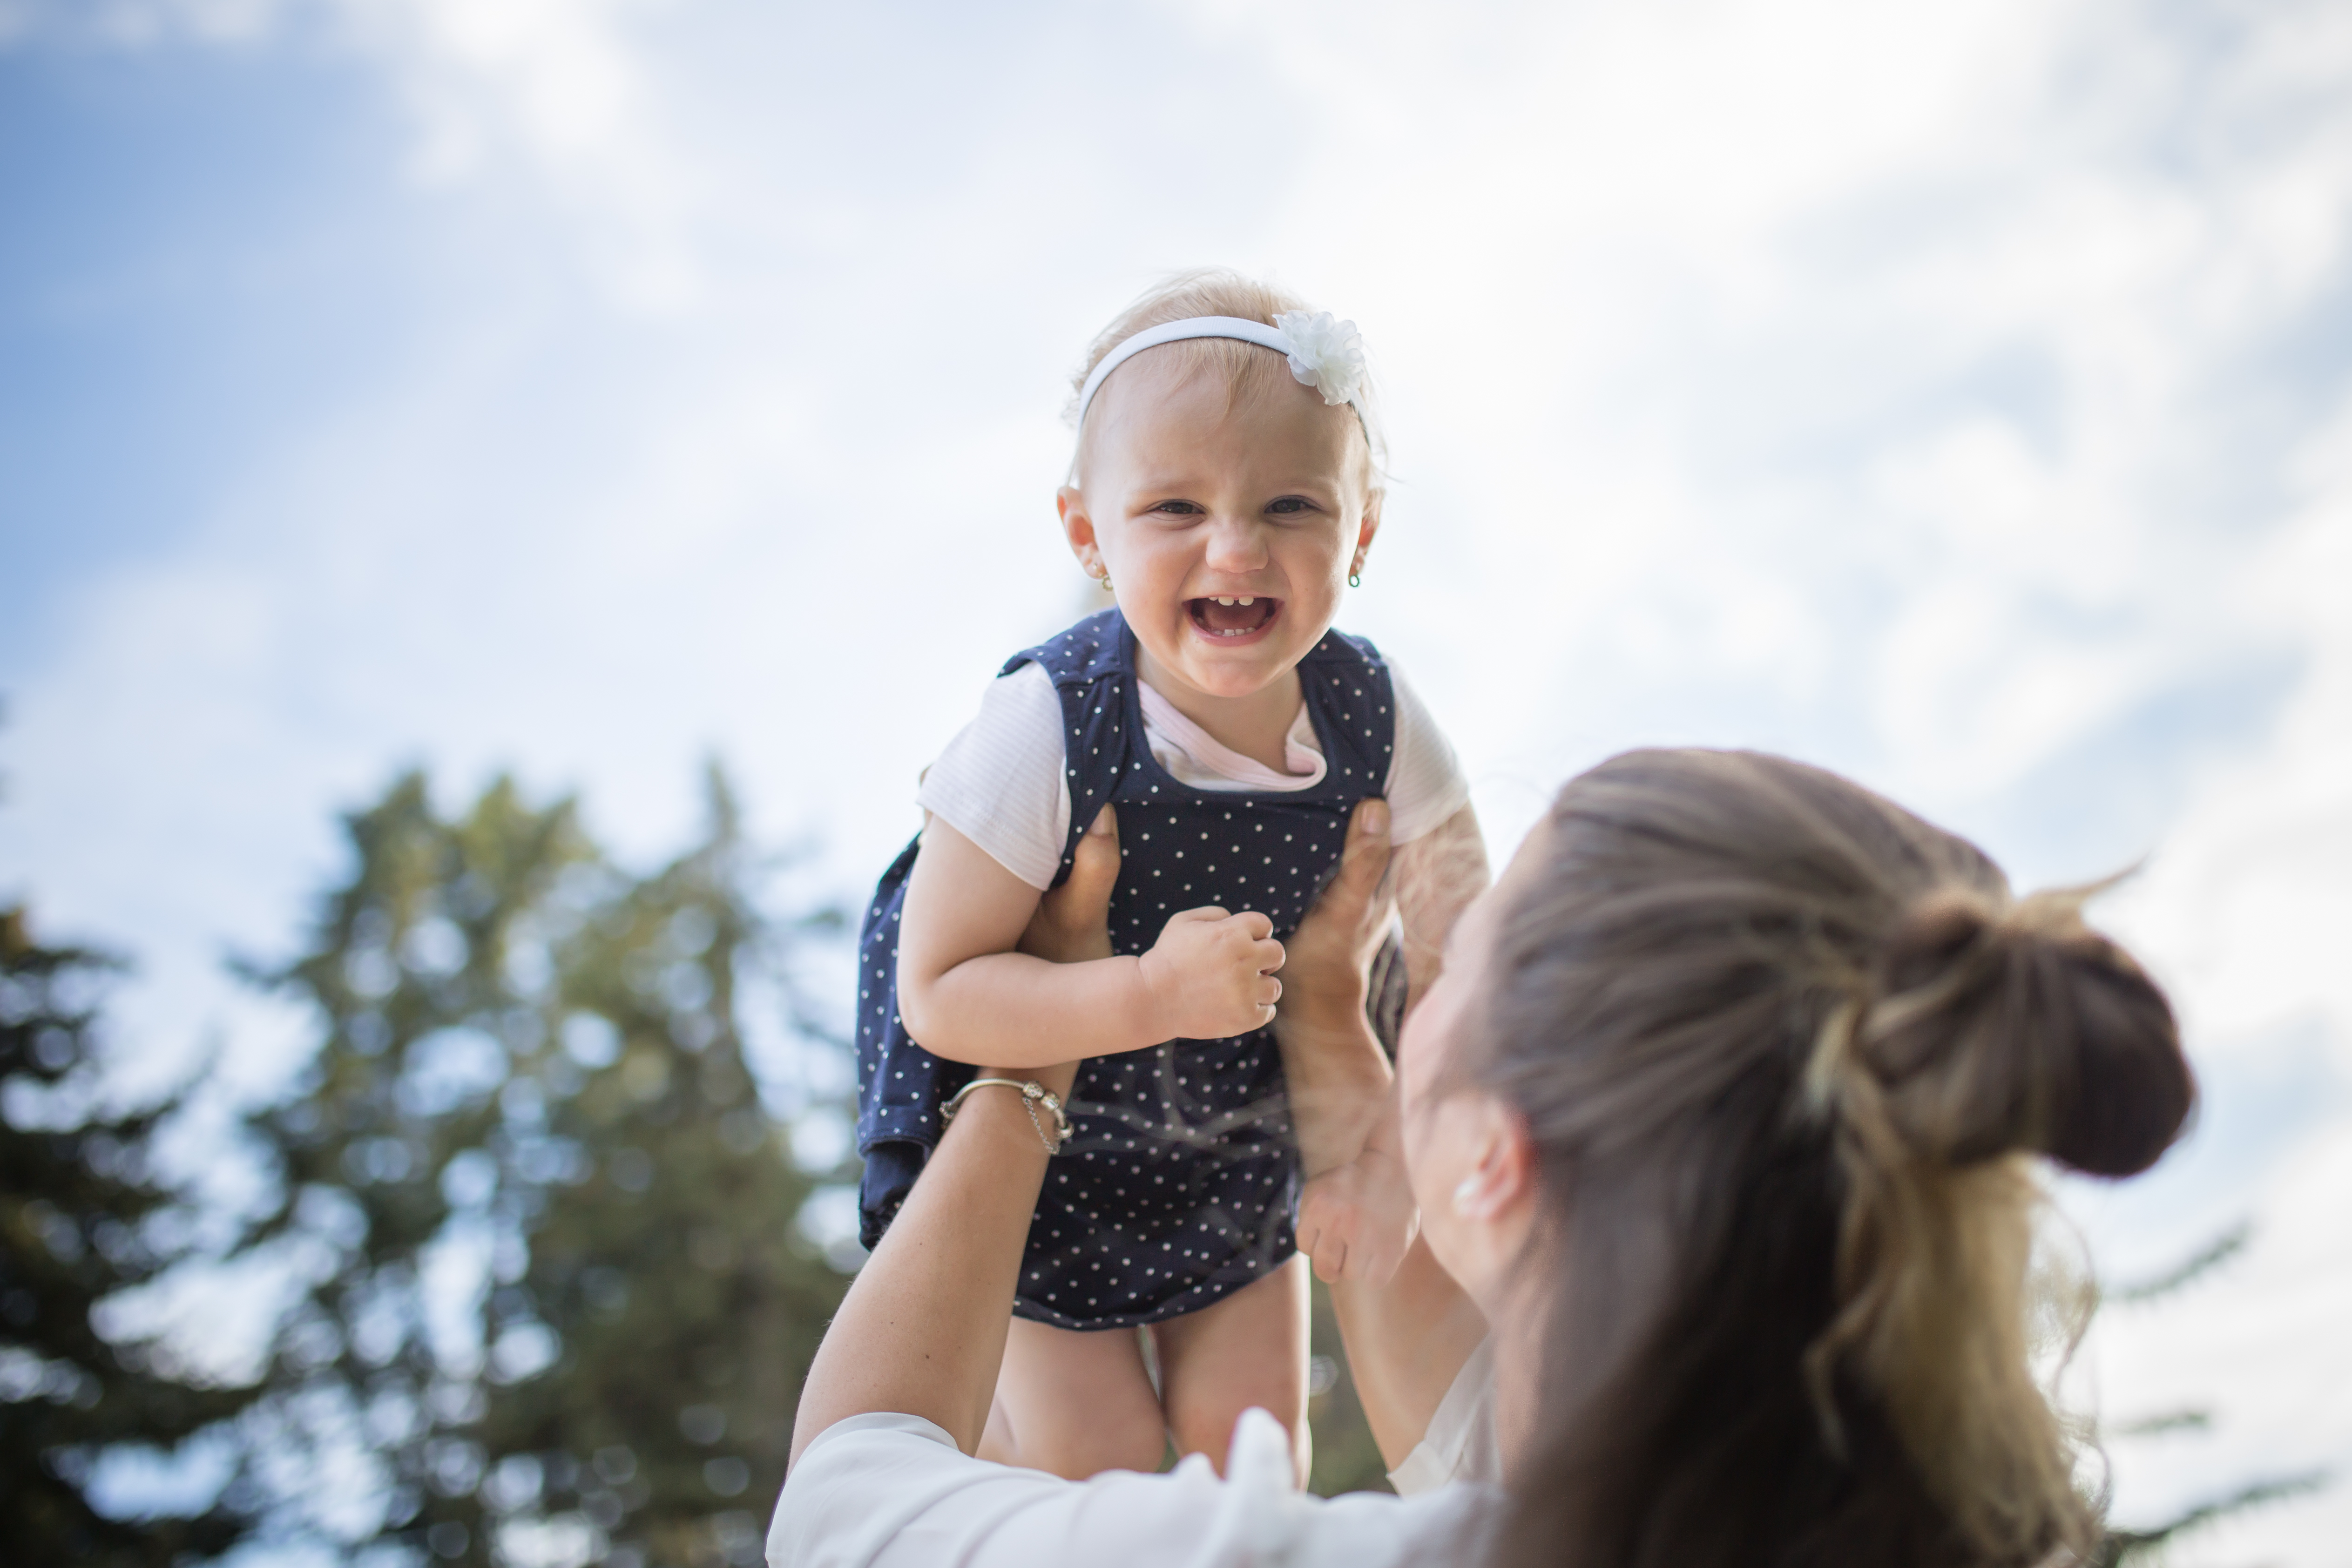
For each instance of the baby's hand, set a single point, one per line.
(1210, 974)
(1356, 1221)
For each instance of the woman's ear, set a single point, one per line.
(1078, 527)
(1502, 1175)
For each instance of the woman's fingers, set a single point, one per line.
(1364, 861)
(1073, 921)
(1356, 900)
(1321, 1239)
(1094, 865)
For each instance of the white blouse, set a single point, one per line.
(1459, 1445)
(893, 1491)
(1000, 782)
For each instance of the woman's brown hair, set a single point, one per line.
(1786, 1053)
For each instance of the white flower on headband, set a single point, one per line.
(1325, 353)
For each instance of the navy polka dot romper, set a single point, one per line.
(1179, 1184)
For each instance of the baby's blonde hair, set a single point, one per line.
(1247, 369)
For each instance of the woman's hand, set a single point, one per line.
(1073, 921)
(1356, 1221)
(1338, 1076)
(1330, 954)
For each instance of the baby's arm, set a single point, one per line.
(967, 995)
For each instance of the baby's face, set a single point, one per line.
(1227, 525)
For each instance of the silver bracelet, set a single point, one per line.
(1032, 1095)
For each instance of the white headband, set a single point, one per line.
(1324, 354)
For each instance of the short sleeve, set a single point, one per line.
(1459, 1445)
(1000, 782)
(1425, 782)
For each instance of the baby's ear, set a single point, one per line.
(1078, 527)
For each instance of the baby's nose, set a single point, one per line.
(1236, 544)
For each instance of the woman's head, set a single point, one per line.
(1745, 1066)
(1224, 501)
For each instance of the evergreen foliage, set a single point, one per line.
(528, 1276)
(2120, 1547)
(81, 1219)
(552, 1299)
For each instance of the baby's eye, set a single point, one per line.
(1176, 508)
(1289, 504)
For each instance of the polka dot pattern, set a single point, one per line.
(1179, 1184)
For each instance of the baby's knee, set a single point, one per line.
(1141, 1444)
(1207, 1427)
(1099, 1441)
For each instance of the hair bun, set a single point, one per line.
(2018, 1027)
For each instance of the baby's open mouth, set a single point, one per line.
(1233, 617)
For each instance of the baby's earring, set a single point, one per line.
(1105, 579)
(1355, 574)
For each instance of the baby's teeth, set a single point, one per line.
(1247, 600)
(1225, 600)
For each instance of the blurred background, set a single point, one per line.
(401, 396)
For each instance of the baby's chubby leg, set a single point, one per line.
(1250, 1349)
(1074, 1403)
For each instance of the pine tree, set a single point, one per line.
(82, 1218)
(2119, 1548)
(670, 1276)
(555, 1296)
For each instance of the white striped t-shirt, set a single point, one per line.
(1000, 782)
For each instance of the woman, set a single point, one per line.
(1722, 1115)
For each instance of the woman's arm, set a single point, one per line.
(1409, 1336)
(968, 996)
(1356, 1214)
(1407, 1341)
(1340, 1087)
(922, 1329)
(921, 1332)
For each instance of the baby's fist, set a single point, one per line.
(1210, 976)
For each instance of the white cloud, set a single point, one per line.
(2251, 895)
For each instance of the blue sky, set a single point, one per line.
(1958, 396)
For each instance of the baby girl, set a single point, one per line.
(1224, 488)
